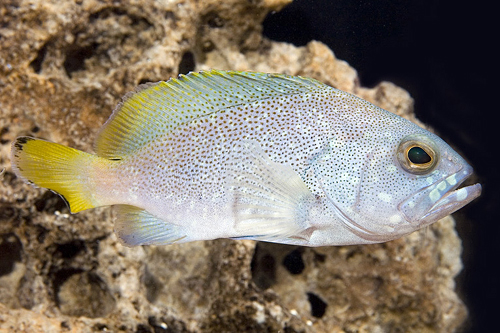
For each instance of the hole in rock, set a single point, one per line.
(10, 253)
(214, 20)
(41, 234)
(170, 15)
(318, 306)
(106, 13)
(141, 328)
(293, 262)
(153, 286)
(71, 249)
(76, 56)
(263, 267)
(7, 213)
(4, 131)
(187, 63)
(36, 64)
(319, 257)
(65, 325)
(51, 202)
(99, 327)
(60, 277)
(82, 294)
(144, 81)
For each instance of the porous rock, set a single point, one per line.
(64, 65)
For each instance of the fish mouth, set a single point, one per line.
(440, 198)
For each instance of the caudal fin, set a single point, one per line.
(56, 167)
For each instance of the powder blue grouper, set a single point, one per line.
(257, 156)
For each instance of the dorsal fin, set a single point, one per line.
(156, 109)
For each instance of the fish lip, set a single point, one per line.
(451, 201)
(441, 198)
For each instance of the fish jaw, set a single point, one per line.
(440, 199)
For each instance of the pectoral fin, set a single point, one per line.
(271, 202)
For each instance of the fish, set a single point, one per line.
(248, 155)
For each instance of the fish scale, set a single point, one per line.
(259, 156)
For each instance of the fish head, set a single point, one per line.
(388, 182)
(434, 171)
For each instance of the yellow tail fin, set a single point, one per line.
(56, 167)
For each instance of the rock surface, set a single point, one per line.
(63, 68)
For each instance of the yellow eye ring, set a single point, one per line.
(417, 155)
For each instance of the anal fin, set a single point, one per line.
(135, 226)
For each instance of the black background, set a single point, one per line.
(442, 53)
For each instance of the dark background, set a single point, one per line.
(441, 52)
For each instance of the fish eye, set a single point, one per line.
(417, 155)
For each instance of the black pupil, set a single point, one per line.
(418, 156)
